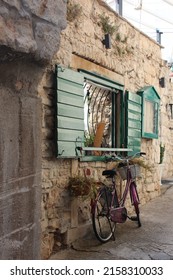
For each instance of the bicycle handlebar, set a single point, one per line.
(116, 157)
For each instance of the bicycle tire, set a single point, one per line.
(102, 225)
(135, 202)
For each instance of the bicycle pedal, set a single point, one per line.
(134, 218)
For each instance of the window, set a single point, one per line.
(170, 111)
(93, 110)
(150, 112)
(98, 113)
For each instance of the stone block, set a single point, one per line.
(76, 233)
(33, 29)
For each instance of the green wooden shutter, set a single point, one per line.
(70, 111)
(133, 122)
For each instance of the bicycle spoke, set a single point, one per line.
(102, 225)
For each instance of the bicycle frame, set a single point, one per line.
(114, 194)
(127, 188)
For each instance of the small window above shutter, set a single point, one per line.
(150, 112)
(70, 112)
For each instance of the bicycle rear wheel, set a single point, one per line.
(102, 225)
(135, 202)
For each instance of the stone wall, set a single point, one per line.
(31, 28)
(29, 37)
(133, 60)
(20, 162)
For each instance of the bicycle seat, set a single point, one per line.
(110, 173)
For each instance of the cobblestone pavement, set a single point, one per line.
(154, 240)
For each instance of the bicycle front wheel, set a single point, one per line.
(135, 202)
(103, 226)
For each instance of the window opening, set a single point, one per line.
(97, 115)
(171, 111)
(90, 103)
(149, 122)
(150, 112)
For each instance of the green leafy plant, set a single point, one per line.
(118, 37)
(162, 152)
(73, 11)
(107, 26)
(89, 140)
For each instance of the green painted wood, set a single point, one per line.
(134, 133)
(70, 112)
(66, 149)
(149, 93)
(68, 86)
(134, 124)
(102, 80)
(69, 123)
(69, 99)
(69, 75)
(133, 113)
(68, 135)
(134, 107)
(92, 158)
(133, 141)
(134, 98)
(150, 135)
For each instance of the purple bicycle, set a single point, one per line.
(107, 208)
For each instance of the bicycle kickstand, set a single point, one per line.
(133, 218)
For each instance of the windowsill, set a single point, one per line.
(92, 158)
(101, 157)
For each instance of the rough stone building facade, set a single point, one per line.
(134, 60)
(29, 36)
(36, 206)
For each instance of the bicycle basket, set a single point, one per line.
(135, 171)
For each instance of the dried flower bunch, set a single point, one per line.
(137, 161)
(82, 186)
(142, 163)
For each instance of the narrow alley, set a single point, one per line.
(154, 240)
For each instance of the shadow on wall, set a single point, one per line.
(35, 40)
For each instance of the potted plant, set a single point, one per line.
(162, 152)
(89, 141)
(82, 186)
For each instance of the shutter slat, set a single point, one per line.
(69, 123)
(69, 98)
(65, 149)
(70, 111)
(68, 86)
(68, 135)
